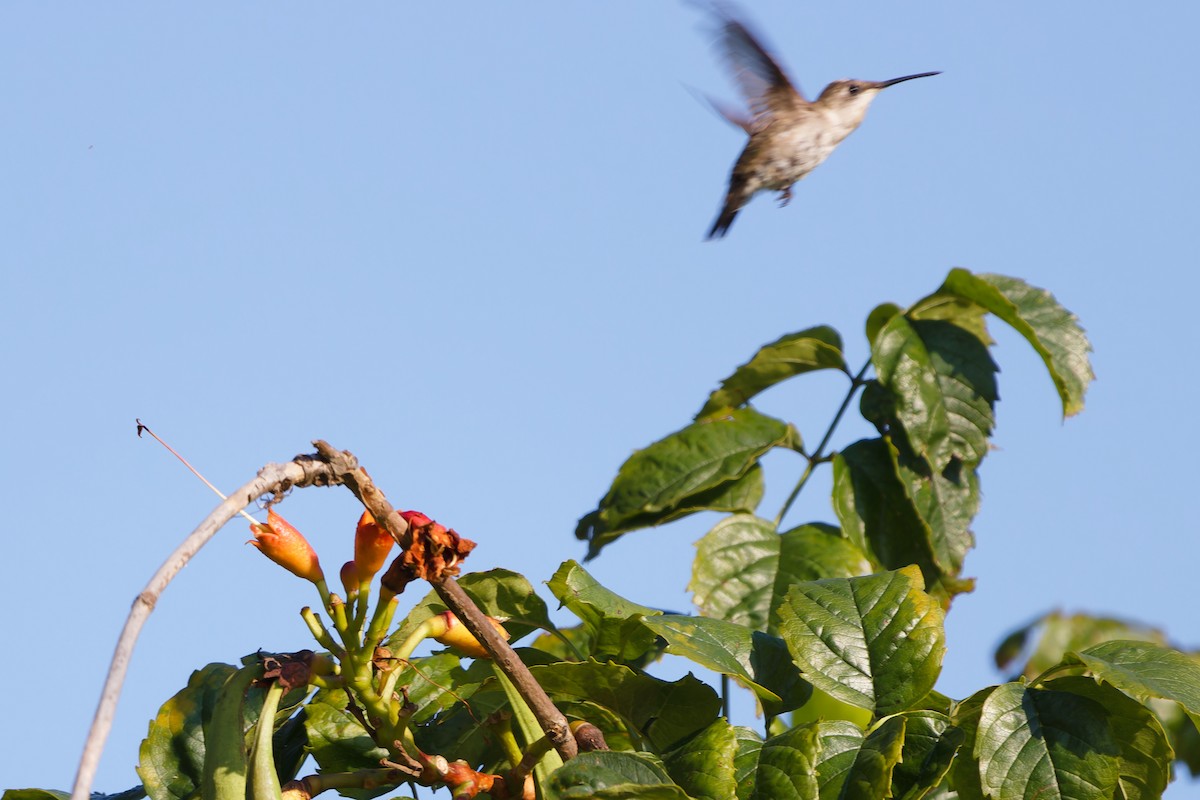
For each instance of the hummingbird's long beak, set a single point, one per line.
(894, 81)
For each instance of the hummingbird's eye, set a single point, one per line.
(852, 88)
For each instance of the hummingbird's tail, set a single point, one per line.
(733, 204)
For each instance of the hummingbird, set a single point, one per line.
(789, 136)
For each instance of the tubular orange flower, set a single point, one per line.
(371, 547)
(446, 629)
(287, 547)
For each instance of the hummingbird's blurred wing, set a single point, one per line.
(763, 83)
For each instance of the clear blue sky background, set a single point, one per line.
(465, 242)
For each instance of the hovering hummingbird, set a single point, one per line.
(789, 136)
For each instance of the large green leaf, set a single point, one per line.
(663, 712)
(743, 567)
(612, 775)
(870, 777)
(964, 769)
(946, 502)
(656, 483)
(1146, 670)
(904, 365)
(1144, 765)
(787, 766)
(875, 642)
(704, 765)
(458, 730)
(745, 761)
(879, 512)
(1062, 633)
(615, 623)
(1048, 744)
(930, 744)
(171, 758)
(840, 741)
(794, 354)
(498, 593)
(758, 660)
(943, 386)
(1053, 331)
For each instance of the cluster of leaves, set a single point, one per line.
(836, 629)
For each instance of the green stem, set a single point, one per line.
(502, 730)
(321, 633)
(530, 729)
(818, 455)
(379, 625)
(224, 775)
(725, 695)
(264, 782)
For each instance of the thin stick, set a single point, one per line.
(143, 427)
(273, 478)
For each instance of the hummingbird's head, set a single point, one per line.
(850, 99)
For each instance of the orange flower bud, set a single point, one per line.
(371, 547)
(283, 544)
(446, 629)
(349, 576)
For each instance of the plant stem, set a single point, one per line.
(264, 781)
(818, 455)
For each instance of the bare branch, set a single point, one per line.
(271, 479)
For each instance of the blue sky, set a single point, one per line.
(465, 243)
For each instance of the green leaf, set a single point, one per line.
(704, 765)
(738, 495)
(787, 766)
(1144, 765)
(964, 769)
(171, 757)
(878, 513)
(1046, 744)
(946, 502)
(930, 744)
(870, 777)
(904, 365)
(591, 774)
(745, 760)
(338, 742)
(1145, 670)
(879, 317)
(875, 642)
(794, 354)
(1062, 633)
(457, 730)
(943, 386)
(35, 794)
(958, 310)
(840, 741)
(1053, 331)
(756, 659)
(615, 623)
(663, 712)
(658, 483)
(743, 568)
(498, 593)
